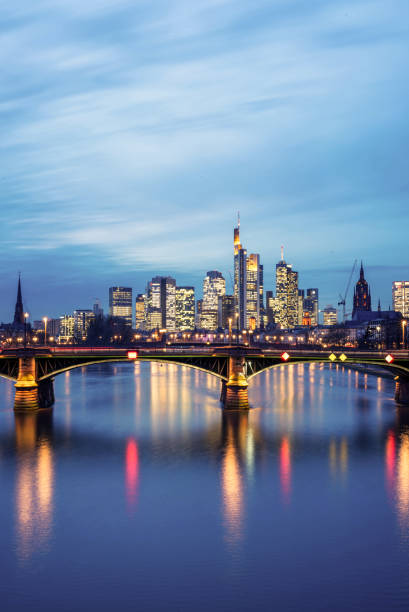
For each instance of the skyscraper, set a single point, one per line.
(362, 295)
(400, 297)
(185, 308)
(120, 304)
(287, 294)
(161, 303)
(253, 291)
(240, 280)
(140, 311)
(226, 311)
(82, 321)
(311, 305)
(301, 294)
(330, 315)
(214, 285)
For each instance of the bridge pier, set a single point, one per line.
(30, 394)
(26, 397)
(234, 395)
(402, 390)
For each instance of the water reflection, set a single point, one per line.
(131, 473)
(285, 469)
(34, 482)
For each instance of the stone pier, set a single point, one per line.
(31, 394)
(234, 394)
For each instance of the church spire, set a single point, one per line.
(19, 310)
(361, 273)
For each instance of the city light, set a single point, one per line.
(285, 356)
(132, 354)
(389, 358)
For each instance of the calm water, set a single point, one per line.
(138, 493)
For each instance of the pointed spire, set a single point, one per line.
(282, 253)
(19, 310)
(379, 304)
(361, 273)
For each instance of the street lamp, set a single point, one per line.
(403, 332)
(230, 322)
(45, 319)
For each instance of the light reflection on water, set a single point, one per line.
(321, 462)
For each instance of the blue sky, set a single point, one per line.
(132, 132)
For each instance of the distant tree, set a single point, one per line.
(104, 330)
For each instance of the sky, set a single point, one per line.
(132, 132)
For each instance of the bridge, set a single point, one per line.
(33, 368)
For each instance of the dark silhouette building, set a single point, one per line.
(362, 295)
(18, 322)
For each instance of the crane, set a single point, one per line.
(342, 300)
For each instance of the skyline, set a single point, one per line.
(132, 135)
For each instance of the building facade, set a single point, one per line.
(286, 294)
(140, 311)
(120, 304)
(362, 295)
(185, 308)
(240, 280)
(400, 297)
(160, 310)
(330, 315)
(253, 276)
(82, 321)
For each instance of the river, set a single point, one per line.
(138, 493)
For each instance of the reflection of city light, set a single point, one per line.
(390, 461)
(232, 490)
(285, 468)
(131, 472)
(403, 479)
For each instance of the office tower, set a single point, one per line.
(362, 295)
(287, 294)
(208, 320)
(240, 281)
(263, 321)
(161, 303)
(82, 321)
(330, 315)
(120, 304)
(300, 305)
(312, 296)
(214, 286)
(185, 308)
(226, 311)
(98, 311)
(400, 297)
(140, 311)
(253, 291)
(53, 328)
(66, 333)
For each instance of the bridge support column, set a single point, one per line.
(234, 393)
(26, 397)
(402, 390)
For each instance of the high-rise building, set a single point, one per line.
(287, 294)
(330, 315)
(311, 305)
(362, 295)
(253, 291)
(301, 294)
(240, 280)
(82, 321)
(214, 286)
(263, 321)
(120, 304)
(140, 311)
(161, 303)
(185, 308)
(66, 332)
(226, 311)
(400, 297)
(208, 320)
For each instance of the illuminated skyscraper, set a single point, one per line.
(66, 332)
(120, 304)
(253, 291)
(226, 311)
(287, 294)
(140, 311)
(161, 303)
(310, 306)
(400, 297)
(362, 295)
(214, 286)
(300, 306)
(240, 280)
(185, 308)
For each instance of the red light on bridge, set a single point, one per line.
(389, 358)
(132, 354)
(285, 356)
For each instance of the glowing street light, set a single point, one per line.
(45, 319)
(26, 315)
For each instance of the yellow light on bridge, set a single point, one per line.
(332, 357)
(343, 357)
(389, 358)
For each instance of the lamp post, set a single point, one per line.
(26, 315)
(237, 326)
(45, 319)
(230, 322)
(404, 322)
